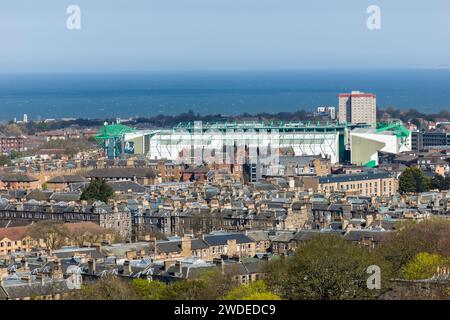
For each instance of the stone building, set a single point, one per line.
(19, 181)
(368, 183)
(15, 240)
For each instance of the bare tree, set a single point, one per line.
(54, 234)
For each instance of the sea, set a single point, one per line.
(145, 94)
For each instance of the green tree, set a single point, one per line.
(150, 290)
(106, 288)
(438, 182)
(98, 190)
(5, 160)
(447, 183)
(254, 291)
(416, 122)
(208, 285)
(424, 265)
(16, 154)
(411, 238)
(413, 180)
(326, 268)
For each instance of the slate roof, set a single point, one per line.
(36, 288)
(67, 179)
(258, 235)
(18, 178)
(126, 186)
(65, 196)
(354, 177)
(39, 195)
(65, 253)
(122, 173)
(221, 238)
(283, 236)
(175, 246)
(305, 235)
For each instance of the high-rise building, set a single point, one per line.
(25, 118)
(358, 107)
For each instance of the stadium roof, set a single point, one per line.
(113, 131)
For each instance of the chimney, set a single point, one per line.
(24, 263)
(91, 266)
(57, 273)
(167, 264)
(369, 220)
(155, 248)
(232, 247)
(344, 224)
(40, 276)
(220, 263)
(27, 278)
(127, 268)
(59, 166)
(186, 247)
(179, 265)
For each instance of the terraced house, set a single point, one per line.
(15, 240)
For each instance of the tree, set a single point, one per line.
(98, 190)
(327, 268)
(5, 160)
(424, 265)
(54, 234)
(254, 291)
(106, 288)
(150, 290)
(413, 180)
(12, 129)
(16, 154)
(412, 238)
(416, 122)
(208, 285)
(438, 182)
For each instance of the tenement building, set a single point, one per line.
(113, 217)
(370, 183)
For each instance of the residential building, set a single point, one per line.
(369, 183)
(8, 144)
(358, 107)
(429, 139)
(15, 240)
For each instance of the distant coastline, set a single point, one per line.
(167, 121)
(148, 94)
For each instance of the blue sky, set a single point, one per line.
(222, 34)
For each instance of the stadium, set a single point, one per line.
(341, 143)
